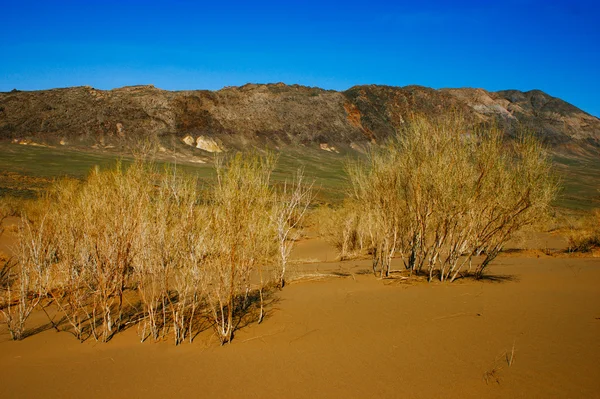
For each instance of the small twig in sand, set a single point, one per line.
(395, 278)
(456, 315)
(475, 295)
(263, 336)
(492, 375)
(304, 335)
(510, 357)
(313, 276)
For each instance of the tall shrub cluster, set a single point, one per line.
(143, 246)
(443, 192)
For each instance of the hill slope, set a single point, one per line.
(275, 114)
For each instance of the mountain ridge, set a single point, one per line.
(277, 115)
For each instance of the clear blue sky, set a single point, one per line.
(552, 46)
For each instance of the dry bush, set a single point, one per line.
(127, 229)
(77, 245)
(250, 235)
(27, 281)
(5, 211)
(289, 211)
(112, 206)
(140, 246)
(168, 269)
(11, 206)
(101, 222)
(5, 263)
(72, 288)
(584, 235)
(242, 237)
(443, 192)
(344, 227)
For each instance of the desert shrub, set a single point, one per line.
(77, 245)
(250, 235)
(72, 288)
(442, 192)
(143, 246)
(26, 282)
(585, 234)
(6, 264)
(289, 211)
(134, 228)
(113, 206)
(17, 206)
(168, 267)
(5, 211)
(101, 223)
(242, 237)
(344, 227)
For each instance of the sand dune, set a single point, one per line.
(353, 336)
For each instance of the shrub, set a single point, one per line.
(100, 224)
(442, 192)
(289, 211)
(26, 281)
(169, 263)
(586, 235)
(344, 227)
(242, 236)
(91, 246)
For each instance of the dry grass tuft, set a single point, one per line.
(584, 235)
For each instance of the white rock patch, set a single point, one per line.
(208, 144)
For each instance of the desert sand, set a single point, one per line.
(531, 329)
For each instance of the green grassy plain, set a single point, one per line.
(580, 180)
(25, 171)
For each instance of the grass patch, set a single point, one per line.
(28, 170)
(580, 178)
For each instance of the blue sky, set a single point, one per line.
(552, 46)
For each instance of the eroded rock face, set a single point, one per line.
(277, 114)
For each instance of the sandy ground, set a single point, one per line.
(355, 337)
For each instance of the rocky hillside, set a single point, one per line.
(274, 114)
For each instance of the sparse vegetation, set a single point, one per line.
(584, 235)
(289, 212)
(156, 248)
(137, 245)
(27, 282)
(242, 237)
(343, 227)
